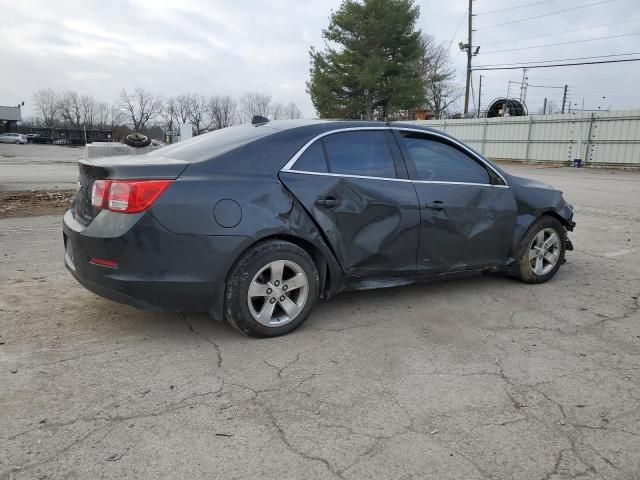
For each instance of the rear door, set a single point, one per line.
(354, 184)
(468, 211)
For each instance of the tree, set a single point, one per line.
(277, 111)
(70, 109)
(46, 104)
(139, 107)
(254, 103)
(222, 111)
(182, 108)
(168, 114)
(291, 111)
(370, 65)
(438, 73)
(198, 108)
(88, 107)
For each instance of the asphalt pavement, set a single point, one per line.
(39, 167)
(477, 378)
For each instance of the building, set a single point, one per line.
(9, 118)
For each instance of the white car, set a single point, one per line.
(16, 138)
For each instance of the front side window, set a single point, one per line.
(364, 153)
(439, 162)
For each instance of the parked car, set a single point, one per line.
(38, 138)
(254, 223)
(16, 138)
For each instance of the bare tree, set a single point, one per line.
(88, 107)
(277, 111)
(139, 107)
(222, 111)
(291, 111)
(46, 104)
(169, 113)
(198, 113)
(102, 114)
(182, 108)
(70, 109)
(439, 75)
(254, 103)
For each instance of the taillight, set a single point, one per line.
(99, 193)
(127, 196)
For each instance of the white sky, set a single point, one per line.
(230, 47)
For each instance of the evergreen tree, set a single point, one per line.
(370, 67)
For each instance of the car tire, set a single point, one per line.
(262, 299)
(17, 142)
(540, 253)
(137, 140)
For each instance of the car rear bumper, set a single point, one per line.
(155, 268)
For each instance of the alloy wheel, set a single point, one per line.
(278, 293)
(544, 251)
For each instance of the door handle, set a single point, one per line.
(437, 205)
(328, 202)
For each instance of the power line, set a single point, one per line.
(564, 59)
(558, 64)
(547, 14)
(562, 43)
(457, 30)
(560, 33)
(515, 8)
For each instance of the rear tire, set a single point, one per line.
(271, 289)
(541, 251)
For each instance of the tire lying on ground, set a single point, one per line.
(137, 140)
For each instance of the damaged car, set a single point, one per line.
(254, 223)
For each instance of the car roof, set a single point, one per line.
(331, 124)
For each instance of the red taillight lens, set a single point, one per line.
(127, 196)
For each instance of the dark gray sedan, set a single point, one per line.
(254, 223)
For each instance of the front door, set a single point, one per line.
(467, 211)
(355, 186)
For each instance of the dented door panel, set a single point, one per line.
(371, 224)
(473, 228)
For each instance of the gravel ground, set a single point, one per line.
(477, 378)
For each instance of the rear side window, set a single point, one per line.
(364, 153)
(439, 162)
(312, 160)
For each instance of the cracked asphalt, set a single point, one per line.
(476, 378)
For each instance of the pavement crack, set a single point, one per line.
(292, 448)
(206, 339)
(280, 370)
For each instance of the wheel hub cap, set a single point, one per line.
(544, 251)
(278, 293)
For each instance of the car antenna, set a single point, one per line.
(257, 120)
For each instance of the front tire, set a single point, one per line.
(271, 289)
(541, 251)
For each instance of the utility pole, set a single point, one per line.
(479, 95)
(523, 86)
(469, 48)
(544, 106)
(564, 97)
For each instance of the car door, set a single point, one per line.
(468, 211)
(355, 186)
(4, 138)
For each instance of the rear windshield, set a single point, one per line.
(212, 144)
